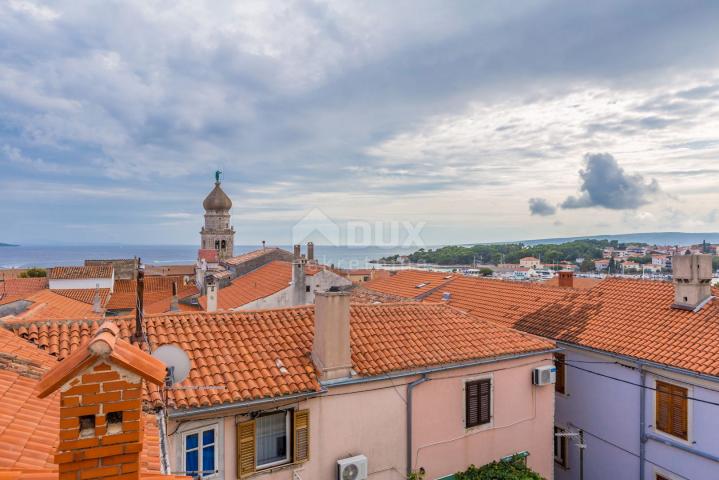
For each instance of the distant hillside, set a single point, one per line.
(651, 238)
(8, 245)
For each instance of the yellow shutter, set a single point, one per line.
(302, 436)
(246, 448)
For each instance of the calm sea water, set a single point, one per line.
(49, 256)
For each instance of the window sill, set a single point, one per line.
(277, 468)
(674, 438)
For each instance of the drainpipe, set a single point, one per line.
(410, 387)
(642, 419)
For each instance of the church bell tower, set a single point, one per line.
(217, 233)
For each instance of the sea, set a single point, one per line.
(25, 256)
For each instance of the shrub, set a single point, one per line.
(513, 469)
(33, 273)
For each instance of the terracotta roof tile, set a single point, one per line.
(22, 286)
(578, 282)
(245, 257)
(84, 295)
(410, 283)
(247, 344)
(48, 305)
(623, 316)
(209, 255)
(71, 273)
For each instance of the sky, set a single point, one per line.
(470, 121)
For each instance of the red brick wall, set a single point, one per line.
(100, 391)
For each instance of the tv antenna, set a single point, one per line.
(177, 362)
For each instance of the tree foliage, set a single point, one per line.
(514, 469)
(510, 253)
(33, 273)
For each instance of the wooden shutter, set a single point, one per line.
(672, 410)
(246, 448)
(478, 402)
(302, 436)
(561, 372)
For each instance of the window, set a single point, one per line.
(200, 454)
(560, 447)
(478, 402)
(560, 384)
(672, 410)
(272, 440)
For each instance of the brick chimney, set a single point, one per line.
(692, 276)
(566, 279)
(101, 419)
(211, 294)
(331, 352)
(297, 252)
(174, 301)
(310, 251)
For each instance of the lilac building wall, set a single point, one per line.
(609, 412)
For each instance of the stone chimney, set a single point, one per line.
(331, 352)
(692, 280)
(101, 419)
(297, 253)
(299, 284)
(212, 293)
(566, 279)
(174, 302)
(310, 251)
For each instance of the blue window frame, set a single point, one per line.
(200, 454)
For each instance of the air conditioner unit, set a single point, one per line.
(544, 375)
(352, 468)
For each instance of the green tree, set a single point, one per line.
(485, 272)
(514, 469)
(33, 273)
(587, 265)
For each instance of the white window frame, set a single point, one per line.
(484, 426)
(217, 445)
(288, 448)
(557, 460)
(690, 414)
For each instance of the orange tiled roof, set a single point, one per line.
(72, 273)
(405, 283)
(259, 283)
(245, 257)
(6, 273)
(169, 270)
(22, 286)
(157, 293)
(48, 305)
(84, 295)
(623, 316)
(209, 255)
(240, 350)
(359, 294)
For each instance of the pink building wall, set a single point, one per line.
(370, 419)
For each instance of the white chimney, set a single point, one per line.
(96, 302)
(174, 303)
(692, 276)
(211, 294)
(331, 351)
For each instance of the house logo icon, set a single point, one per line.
(316, 227)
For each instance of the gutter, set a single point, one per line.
(439, 368)
(192, 412)
(410, 387)
(645, 363)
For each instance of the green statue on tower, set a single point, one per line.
(217, 175)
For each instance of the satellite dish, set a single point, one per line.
(176, 360)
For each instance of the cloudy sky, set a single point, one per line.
(485, 121)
